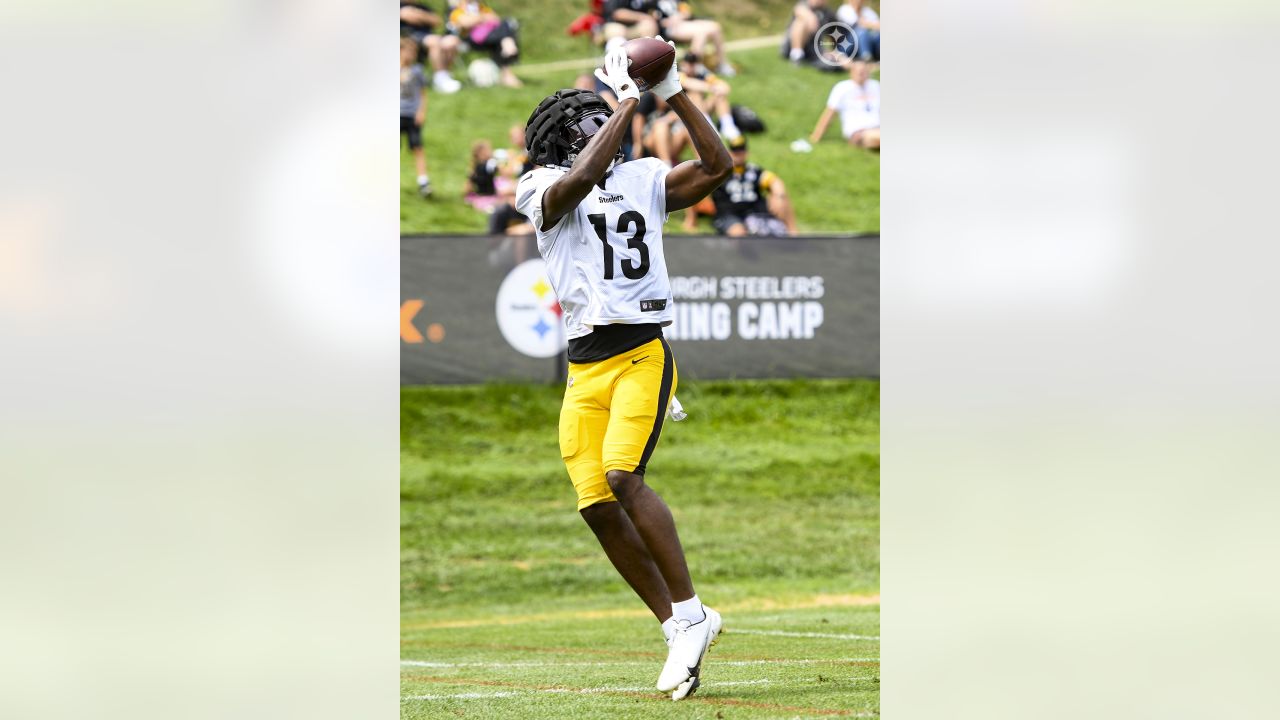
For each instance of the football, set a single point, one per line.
(649, 61)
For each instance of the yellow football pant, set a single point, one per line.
(612, 416)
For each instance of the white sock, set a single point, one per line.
(422, 180)
(728, 127)
(443, 74)
(690, 610)
(797, 53)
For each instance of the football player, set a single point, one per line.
(599, 223)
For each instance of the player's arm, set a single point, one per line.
(564, 194)
(821, 128)
(420, 117)
(692, 180)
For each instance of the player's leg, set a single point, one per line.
(629, 555)
(641, 394)
(653, 521)
(583, 424)
(639, 402)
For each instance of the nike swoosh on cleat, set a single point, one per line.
(633, 362)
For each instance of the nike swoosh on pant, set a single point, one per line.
(633, 362)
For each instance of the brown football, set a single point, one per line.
(650, 61)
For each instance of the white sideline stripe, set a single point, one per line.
(786, 633)
(591, 62)
(537, 663)
(583, 691)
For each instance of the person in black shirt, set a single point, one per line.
(753, 201)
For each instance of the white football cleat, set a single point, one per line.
(685, 689)
(688, 645)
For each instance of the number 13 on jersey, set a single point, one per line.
(628, 222)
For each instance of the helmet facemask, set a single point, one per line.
(560, 128)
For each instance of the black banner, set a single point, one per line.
(476, 308)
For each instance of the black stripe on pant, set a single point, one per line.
(664, 395)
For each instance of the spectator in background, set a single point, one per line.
(866, 25)
(646, 111)
(480, 26)
(858, 102)
(708, 92)
(481, 189)
(753, 201)
(506, 220)
(678, 23)
(413, 108)
(665, 136)
(806, 17)
(418, 22)
(518, 162)
(629, 19)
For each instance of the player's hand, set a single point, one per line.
(670, 85)
(419, 118)
(614, 74)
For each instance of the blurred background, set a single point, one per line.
(468, 102)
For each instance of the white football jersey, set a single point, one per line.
(604, 259)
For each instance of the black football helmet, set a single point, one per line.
(562, 125)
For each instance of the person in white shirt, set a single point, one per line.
(858, 102)
(866, 25)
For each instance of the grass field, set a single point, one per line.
(510, 609)
(835, 188)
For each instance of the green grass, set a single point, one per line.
(834, 189)
(775, 488)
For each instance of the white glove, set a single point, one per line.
(670, 85)
(614, 74)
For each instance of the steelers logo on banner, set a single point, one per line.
(528, 312)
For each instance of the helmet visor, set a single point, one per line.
(580, 130)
